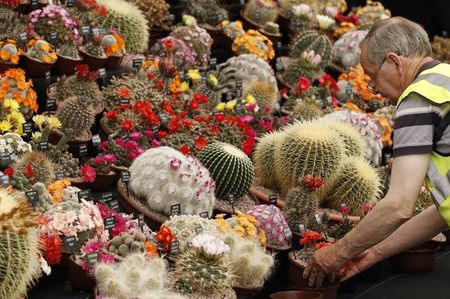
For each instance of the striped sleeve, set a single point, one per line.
(415, 121)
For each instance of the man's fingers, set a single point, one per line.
(308, 268)
(313, 276)
(332, 277)
(320, 279)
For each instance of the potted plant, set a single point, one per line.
(93, 53)
(98, 172)
(258, 12)
(68, 59)
(39, 58)
(9, 55)
(114, 46)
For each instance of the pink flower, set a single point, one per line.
(103, 145)
(148, 133)
(344, 209)
(135, 135)
(251, 107)
(366, 208)
(88, 173)
(247, 118)
(130, 145)
(99, 160)
(109, 158)
(156, 143)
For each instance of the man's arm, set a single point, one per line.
(407, 177)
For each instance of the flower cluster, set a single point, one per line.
(114, 49)
(313, 182)
(12, 118)
(95, 246)
(121, 224)
(14, 86)
(253, 42)
(360, 81)
(41, 50)
(102, 163)
(210, 245)
(82, 71)
(14, 145)
(56, 190)
(165, 237)
(9, 52)
(126, 151)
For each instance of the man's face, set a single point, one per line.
(384, 77)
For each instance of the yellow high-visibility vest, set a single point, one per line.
(434, 84)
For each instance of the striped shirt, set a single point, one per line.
(416, 123)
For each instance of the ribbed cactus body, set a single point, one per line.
(163, 177)
(76, 119)
(42, 167)
(264, 93)
(356, 183)
(298, 69)
(129, 20)
(312, 40)
(264, 159)
(307, 110)
(261, 11)
(300, 208)
(230, 167)
(354, 145)
(307, 148)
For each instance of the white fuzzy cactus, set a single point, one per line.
(347, 48)
(368, 129)
(163, 177)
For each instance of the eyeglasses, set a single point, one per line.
(371, 85)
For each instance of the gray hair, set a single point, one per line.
(397, 35)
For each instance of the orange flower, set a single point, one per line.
(310, 237)
(152, 250)
(56, 190)
(22, 85)
(15, 59)
(4, 55)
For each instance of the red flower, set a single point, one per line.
(283, 91)
(310, 237)
(185, 149)
(200, 143)
(88, 173)
(158, 84)
(344, 209)
(247, 145)
(51, 246)
(165, 237)
(29, 173)
(110, 115)
(9, 171)
(127, 125)
(220, 117)
(201, 98)
(123, 92)
(303, 84)
(312, 182)
(162, 134)
(194, 105)
(168, 43)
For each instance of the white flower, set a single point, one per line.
(324, 21)
(9, 140)
(210, 244)
(331, 11)
(301, 9)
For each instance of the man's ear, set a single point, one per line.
(394, 58)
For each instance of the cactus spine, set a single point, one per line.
(261, 11)
(264, 93)
(354, 145)
(300, 208)
(230, 168)
(42, 167)
(307, 110)
(312, 40)
(76, 119)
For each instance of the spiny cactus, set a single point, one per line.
(250, 265)
(19, 253)
(87, 91)
(261, 11)
(300, 208)
(135, 276)
(307, 148)
(129, 20)
(185, 227)
(69, 51)
(312, 40)
(354, 145)
(94, 47)
(76, 120)
(195, 272)
(127, 243)
(307, 110)
(264, 93)
(68, 164)
(301, 67)
(231, 133)
(246, 68)
(272, 28)
(347, 50)
(230, 167)
(264, 159)
(355, 184)
(162, 177)
(423, 202)
(205, 11)
(42, 51)
(36, 166)
(45, 199)
(156, 12)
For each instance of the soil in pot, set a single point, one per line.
(297, 295)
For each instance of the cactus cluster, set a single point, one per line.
(205, 11)
(156, 12)
(42, 51)
(14, 25)
(307, 110)
(261, 11)
(312, 40)
(246, 68)
(273, 223)
(300, 208)
(230, 167)
(86, 91)
(346, 49)
(137, 276)
(355, 184)
(36, 166)
(308, 148)
(69, 51)
(94, 47)
(163, 177)
(19, 251)
(198, 39)
(76, 119)
(129, 20)
(14, 145)
(127, 243)
(68, 164)
(307, 65)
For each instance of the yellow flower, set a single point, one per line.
(230, 105)
(213, 79)
(36, 135)
(194, 75)
(250, 99)
(220, 106)
(54, 122)
(183, 87)
(11, 104)
(5, 126)
(39, 120)
(16, 118)
(239, 230)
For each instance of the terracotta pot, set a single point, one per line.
(297, 282)
(248, 24)
(34, 68)
(93, 62)
(417, 260)
(79, 183)
(74, 144)
(104, 131)
(131, 204)
(104, 182)
(297, 295)
(4, 66)
(78, 278)
(245, 292)
(113, 62)
(65, 65)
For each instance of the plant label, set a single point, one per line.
(114, 204)
(213, 63)
(141, 220)
(229, 96)
(107, 196)
(34, 3)
(5, 159)
(102, 73)
(175, 247)
(164, 118)
(288, 232)
(95, 31)
(23, 37)
(32, 197)
(110, 222)
(92, 258)
(137, 63)
(85, 30)
(84, 194)
(273, 199)
(126, 137)
(125, 175)
(231, 199)
(175, 209)
(198, 230)
(43, 145)
(96, 140)
(53, 37)
(172, 18)
(60, 175)
(204, 215)
(5, 180)
(70, 242)
(48, 77)
(239, 83)
(124, 101)
(279, 66)
(301, 228)
(318, 219)
(83, 150)
(50, 104)
(70, 3)
(28, 128)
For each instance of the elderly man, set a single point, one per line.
(396, 54)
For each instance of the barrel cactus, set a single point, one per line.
(230, 168)
(300, 208)
(308, 148)
(307, 110)
(76, 119)
(163, 177)
(354, 145)
(37, 166)
(264, 93)
(261, 11)
(312, 40)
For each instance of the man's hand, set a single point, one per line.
(324, 261)
(361, 263)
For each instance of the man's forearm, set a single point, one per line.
(415, 231)
(382, 221)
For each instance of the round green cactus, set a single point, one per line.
(42, 167)
(300, 208)
(308, 148)
(129, 20)
(353, 143)
(230, 168)
(76, 119)
(312, 40)
(356, 183)
(261, 11)
(307, 110)
(264, 93)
